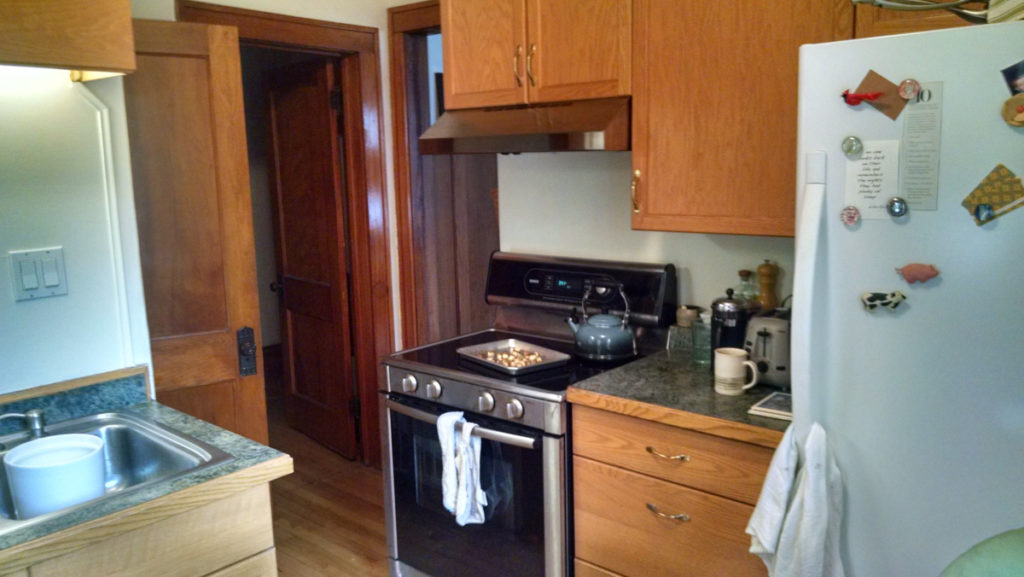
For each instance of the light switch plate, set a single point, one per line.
(46, 265)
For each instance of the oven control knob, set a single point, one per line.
(409, 384)
(514, 409)
(433, 390)
(485, 403)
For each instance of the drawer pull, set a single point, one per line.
(681, 517)
(656, 453)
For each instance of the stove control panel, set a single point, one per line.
(555, 283)
(570, 285)
(452, 394)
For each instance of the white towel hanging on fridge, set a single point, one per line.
(808, 537)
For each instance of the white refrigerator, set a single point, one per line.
(923, 403)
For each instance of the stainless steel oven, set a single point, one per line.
(521, 418)
(523, 472)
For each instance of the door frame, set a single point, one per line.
(366, 197)
(402, 20)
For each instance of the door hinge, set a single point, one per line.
(336, 98)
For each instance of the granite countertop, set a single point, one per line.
(668, 379)
(246, 454)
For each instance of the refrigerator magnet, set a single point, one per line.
(850, 215)
(999, 193)
(1013, 110)
(890, 301)
(889, 102)
(917, 272)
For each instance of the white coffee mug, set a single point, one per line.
(731, 371)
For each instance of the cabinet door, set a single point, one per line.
(617, 529)
(484, 46)
(714, 111)
(874, 21)
(578, 49)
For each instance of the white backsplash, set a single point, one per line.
(577, 204)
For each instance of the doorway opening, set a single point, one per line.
(331, 387)
(447, 204)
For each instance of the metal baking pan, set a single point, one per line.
(476, 353)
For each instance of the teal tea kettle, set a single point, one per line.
(603, 337)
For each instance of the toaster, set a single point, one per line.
(767, 342)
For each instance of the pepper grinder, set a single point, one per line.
(767, 274)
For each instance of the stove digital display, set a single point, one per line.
(569, 286)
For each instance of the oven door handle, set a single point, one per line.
(482, 432)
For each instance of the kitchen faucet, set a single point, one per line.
(33, 421)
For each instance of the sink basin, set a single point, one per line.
(137, 452)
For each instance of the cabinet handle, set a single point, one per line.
(681, 517)
(515, 65)
(656, 453)
(632, 194)
(529, 64)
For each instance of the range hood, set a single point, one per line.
(581, 125)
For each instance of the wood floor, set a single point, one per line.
(328, 514)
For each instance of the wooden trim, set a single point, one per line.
(356, 47)
(91, 532)
(418, 17)
(427, 16)
(61, 386)
(269, 29)
(659, 414)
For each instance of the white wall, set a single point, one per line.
(577, 204)
(65, 181)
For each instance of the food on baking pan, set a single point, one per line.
(512, 357)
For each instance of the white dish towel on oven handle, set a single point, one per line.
(470, 498)
(446, 423)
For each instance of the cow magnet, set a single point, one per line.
(917, 272)
(888, 300)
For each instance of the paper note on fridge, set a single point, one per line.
(873, 178)
(922, 130)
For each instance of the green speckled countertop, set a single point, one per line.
(668, 379)
(246, 454)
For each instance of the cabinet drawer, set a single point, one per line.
(722, 466)
(615, 529)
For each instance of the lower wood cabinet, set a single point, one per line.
(640, 512)
(230, 537)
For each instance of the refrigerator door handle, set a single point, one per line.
(806, 270)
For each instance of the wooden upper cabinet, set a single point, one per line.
(580, 49)
(484, 50)
(94, 35)
(874, 21)
(714, 111)
(505, 52)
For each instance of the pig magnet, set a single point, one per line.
(917, 272)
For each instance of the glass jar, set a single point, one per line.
(701, 335)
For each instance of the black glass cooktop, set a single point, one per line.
(556, 378)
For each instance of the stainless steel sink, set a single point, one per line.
(137, 453)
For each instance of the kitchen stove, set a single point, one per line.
(523, 420)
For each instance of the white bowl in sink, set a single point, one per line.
(55, 472)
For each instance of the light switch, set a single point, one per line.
(29, 279)
(51, 277)
(38, 273)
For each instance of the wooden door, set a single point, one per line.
(580, 49)
(191, 180)
(484, 46)
(312, 253)
(714, 111)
